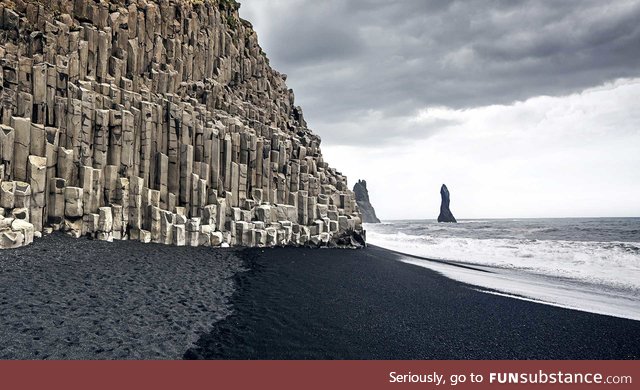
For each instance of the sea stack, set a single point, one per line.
(157, 121)
(362, 198)
(445, 213)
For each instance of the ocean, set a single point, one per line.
(601, 255)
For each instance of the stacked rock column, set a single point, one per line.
(160, 122)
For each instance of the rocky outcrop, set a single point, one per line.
(159, 121)
(362, 198)
(445, 213)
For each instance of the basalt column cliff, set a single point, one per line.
(159, 121)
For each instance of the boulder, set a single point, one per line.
(10, 239)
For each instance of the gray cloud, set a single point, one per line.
(346, 59)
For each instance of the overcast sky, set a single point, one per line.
(523, 108)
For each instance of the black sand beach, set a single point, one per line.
(364, 304)
(62, 298)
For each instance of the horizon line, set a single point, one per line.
(501, 218)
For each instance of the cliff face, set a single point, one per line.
(158, 121)
(445, 213)
(362, 199)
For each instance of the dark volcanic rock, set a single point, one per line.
(445, 213)
(362, 198)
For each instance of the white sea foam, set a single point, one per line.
(593, 298)
(614, 264)
(585, 264)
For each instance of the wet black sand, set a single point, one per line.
(364, 304)
(62, 298)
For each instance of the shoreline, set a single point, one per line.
(65, 298)
(544, 289)
(367, 304)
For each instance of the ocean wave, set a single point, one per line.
(614, 264)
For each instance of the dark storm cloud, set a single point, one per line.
(347, 59)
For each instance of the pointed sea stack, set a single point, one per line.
(445, 213)
(362, 198)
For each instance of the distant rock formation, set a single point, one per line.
(362, 198)
(445, 213)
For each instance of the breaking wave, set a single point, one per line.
(523, 246)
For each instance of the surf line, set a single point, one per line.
(446, 262)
